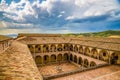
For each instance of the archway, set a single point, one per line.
(76, 48)
(104, 55)
(86, 63)
(59, 47)
(38, 60)
(87, 51)
(71, 47)
(94, 53)
(81, 50)
(53, 58)
(31, 48)
(52, 48)
(92, 63)
(66, 47)
(46, 59)
(37, 48)
(75, 59)
(59, 57)
(71, 57)
(114, 58)
(45, 48)
(80, 61)
(65, 57)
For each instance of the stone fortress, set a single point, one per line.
(55, 57)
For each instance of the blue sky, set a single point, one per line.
(58, 16)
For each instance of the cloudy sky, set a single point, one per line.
(58, 16)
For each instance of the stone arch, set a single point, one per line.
(71, 57)
(53, 58)
(31, 48)
(75, 59)
(92, 64)
(52, 48)
(81, 49)
(103, 55)
(66, 47)
(86, 63)
(87, 51)
(94, 53)
(59, 57)
(59, 47)
(71, 47)
(80, 61)
(46, 59)
(37, 48)
(65, 57)
(38, 60)
(114, 58)
(75, 48)
(45, 48)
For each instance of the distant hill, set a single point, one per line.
(2, 37)
(109, 33)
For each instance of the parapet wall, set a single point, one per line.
(38, 35)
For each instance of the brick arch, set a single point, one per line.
(66, 47)
(37, 48)
(65, 57)
(52, 48)
(87, 51)
(80, 61)
(114, 58)
(75, 58)
(53, 58)
(71, 47)
(86, 63)
(31, 48)
(92, 64)
(45, 48)
(81, 49)
(104, 55)
(94, 53)
(71, 57)
(46, 59)
(59, 47)
(59, 57)
(38, 60)
(75, 48)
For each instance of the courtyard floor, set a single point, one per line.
(56, 68)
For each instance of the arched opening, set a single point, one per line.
(80, 61)
(37, 48)
(53, 58)
(31, 48)
(75, 59)
(86, 63)
(71, 57)
(114, 58)
(76, 48)
(38, 60)
(104, 56)
(65, 57)
(81, 50)
(52, 48)
(46, 59)
(59, 48)
(94, 53)
(87, 51)
(92, 64)
(66, 47)
(71, 47)
(59, 57)
(45, 48)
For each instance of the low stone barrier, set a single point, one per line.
(73, 72)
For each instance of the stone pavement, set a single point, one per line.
(52, 69)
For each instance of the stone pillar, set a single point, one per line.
(33, 52)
